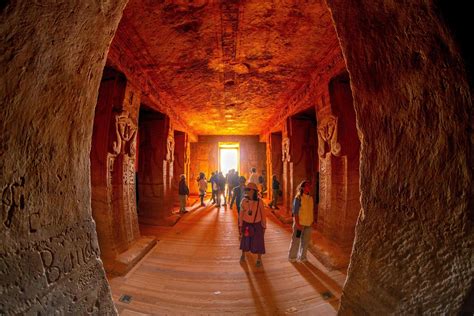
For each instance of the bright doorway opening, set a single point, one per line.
(229, 157)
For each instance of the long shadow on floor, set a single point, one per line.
(307, 271)
(255, 295)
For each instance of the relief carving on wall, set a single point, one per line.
(285, 148)
(327, 134)
(121, 165)
(170, 145)
(126, 132)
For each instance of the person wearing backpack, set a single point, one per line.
(202, 185)
(303, 218)
(183, 192)
(252, 224)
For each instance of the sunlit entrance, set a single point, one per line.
(228, 157)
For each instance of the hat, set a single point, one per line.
(251, 186)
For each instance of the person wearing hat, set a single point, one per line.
(252, 224)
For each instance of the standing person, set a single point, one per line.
(275, 192)
(220, 189)
(228, 181)
(264, 181)
(235, 182)
(183, 192)
(213, 181)
(302, 224)
(260, 185)
(252, 224)
(238, 194)
(253, 176)
(202, 185)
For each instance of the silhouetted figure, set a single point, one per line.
(303, 219)
(275, 192)
(220, 189)
(252, 224)
(260, 185)
(213, 181)
(232, 182)
(183, 193)
(238, 194)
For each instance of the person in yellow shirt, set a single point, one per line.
(303, 218)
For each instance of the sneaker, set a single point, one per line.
(258, 263)
(292, 260)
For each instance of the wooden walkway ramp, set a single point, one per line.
(195, 270)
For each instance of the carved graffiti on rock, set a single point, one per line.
(126, 132)
(69, 254)
(327, 137)
(13, 201)
(285, 146)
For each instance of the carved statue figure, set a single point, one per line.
(285, 145)
(170, 145)
(327, 133)
(126, 132)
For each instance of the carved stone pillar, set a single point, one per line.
(333, 217)
(155, 168)
(269, 164)
(287, 174)
(113, 155)
(121, 176)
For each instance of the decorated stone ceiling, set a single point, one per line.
(223, 67)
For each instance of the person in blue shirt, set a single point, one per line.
(238, 193)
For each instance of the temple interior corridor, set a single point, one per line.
(195, 269)
(116, 114)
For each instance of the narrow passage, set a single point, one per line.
(195, 269)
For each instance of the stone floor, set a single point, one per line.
(195, 269)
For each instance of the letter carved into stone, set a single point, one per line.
(327, 134)
(285, 145)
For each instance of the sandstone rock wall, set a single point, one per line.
(415, 237)
(52, 56)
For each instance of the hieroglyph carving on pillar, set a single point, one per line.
(285, 148)
(327, 133)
